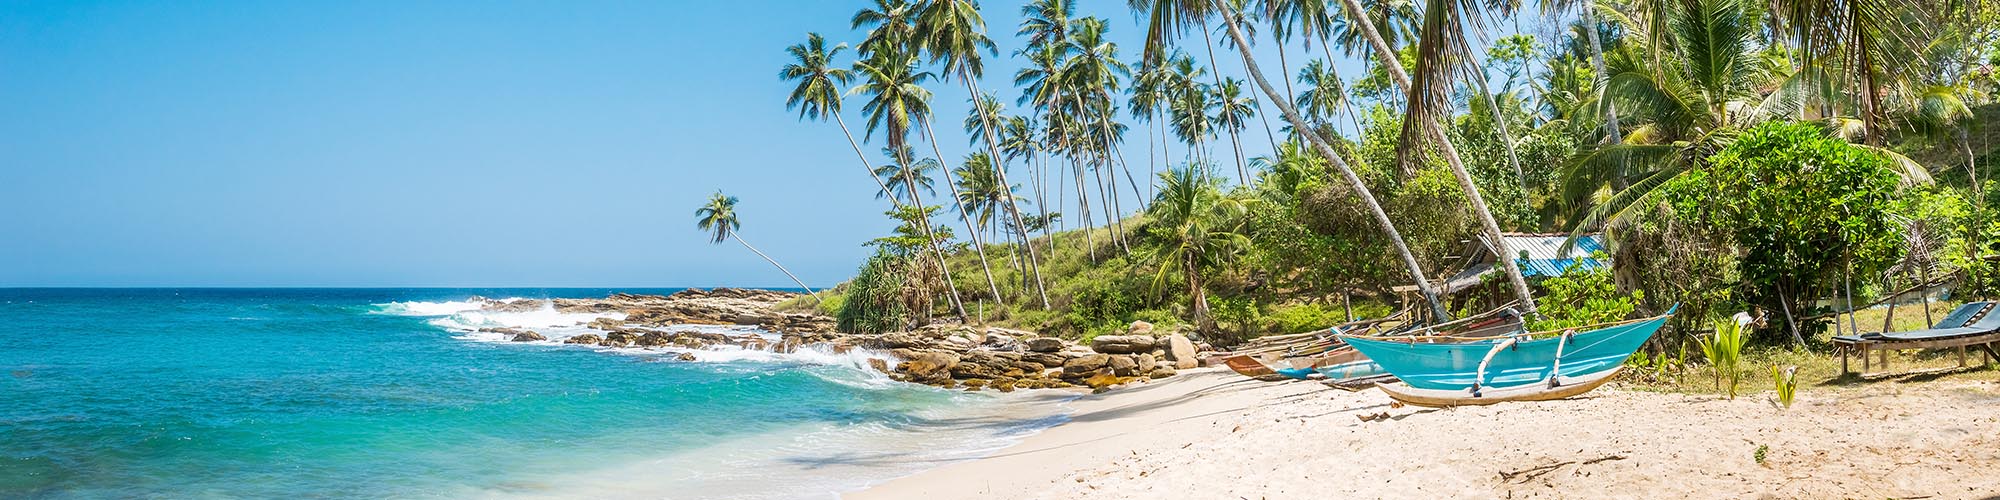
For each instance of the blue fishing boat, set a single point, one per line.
(1447, 371)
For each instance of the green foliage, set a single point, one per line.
(1802, 207)
(1305, 318)
(1759, 455)
(1725, 354)
(1786, 380)
(874, 302)
(1581, 297)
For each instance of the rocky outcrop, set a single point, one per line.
(528, 337)
(585, 339)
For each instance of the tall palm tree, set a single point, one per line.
(719, 218)
(1231, 109)
(817, 95)
(980, 192)
(1441, 42)
(1361, 189)
(1614, 132)
(953, 33)
(896, 98)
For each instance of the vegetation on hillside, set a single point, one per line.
(1733, 158)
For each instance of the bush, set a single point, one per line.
(1306, 317)
(874, 302)
(1581, 297)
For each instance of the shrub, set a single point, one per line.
(874, 301)
(1582, 297)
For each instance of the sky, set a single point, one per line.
(445, 143)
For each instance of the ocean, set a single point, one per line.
(276, 393)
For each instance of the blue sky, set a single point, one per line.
(362, 143)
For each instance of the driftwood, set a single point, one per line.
(1533, 473)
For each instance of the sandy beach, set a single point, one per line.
(1210, 434)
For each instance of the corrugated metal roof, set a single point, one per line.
(1544, 255)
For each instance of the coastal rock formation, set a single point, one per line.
(528, 337)
(1140, 328)
(1046, 344)
(585, 339)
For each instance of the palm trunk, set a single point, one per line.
(957, 304)
(1013, 210)
(1242, 173)
(1613, 132)
(1360, 188)
(781, 267)
(864, 161)
(1476, 74)
(958, 201)
(1452, 158)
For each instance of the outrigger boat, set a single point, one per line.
(1325, 356)
(1458, 371)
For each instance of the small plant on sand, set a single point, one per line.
(1762, 450)
(1725, 351)
(1786, 379)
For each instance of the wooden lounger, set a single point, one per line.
(1975, 324)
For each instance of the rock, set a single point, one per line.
(927, 366)
(1045, 344)
(528, 337)
(1045, 359)
(1141, 328)
(686, 356)
(1000, 340)
(1103, 381)
(1083, 366)
(619, 339)
(1123, 366)
(879, 365)
(585, 339)
(1181, 351)
(1144, 363)
(1162, 372)
(607, 323)
(1121, 344)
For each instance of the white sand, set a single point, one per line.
(1211, 434)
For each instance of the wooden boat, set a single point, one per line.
(1456, 371)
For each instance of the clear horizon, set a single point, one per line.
(449, 144)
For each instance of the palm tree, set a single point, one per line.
(1422, 281)
(1231, 109)
(1199, 228)
(817, 95)
(953, 33)
(1325, 96)
(1441, 42)
(718, 217)
(981, 193)
(896, 98)
(1614, 132)
(1868, 41)
(907, 182)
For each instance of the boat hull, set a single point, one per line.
(1571, 386)
(1455, 366)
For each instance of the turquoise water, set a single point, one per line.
(220, 393)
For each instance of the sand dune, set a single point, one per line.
(1217, 435)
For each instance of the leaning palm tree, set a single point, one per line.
(817, 95)
(896, 96)
(1442, 41)
(718, 217)
(953, 33)
(1231, 109)
(1325, 97)
(1298, 122)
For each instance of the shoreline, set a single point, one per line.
(1213, 434)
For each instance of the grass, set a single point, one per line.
(1819, 367)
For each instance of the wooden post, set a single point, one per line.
(1866, 363)
(1961, 356)
(1843, 360)
(1885, 359)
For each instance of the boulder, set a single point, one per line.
(1141, 328)
(1045, 344)
(1144, 363)
(1104, 381)
(528, 337)
(1161, 372)
(619, 339)
(1181, 352)
(879, 365)
(585, 339)
(1044, 359)
(686, 356)
(1123, 366)
(927, 366)
(1121, 344)
(1083, 366)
